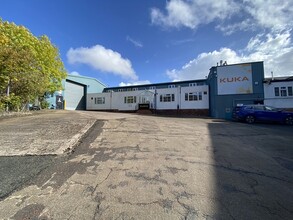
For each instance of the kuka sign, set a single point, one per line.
(234, 79)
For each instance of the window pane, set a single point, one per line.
(194, 96)
(167, 98)
(200, 96)
(283, 91)
(290, 92)
(277, 93)
(100, 100)
(186, 96)
(191, 97)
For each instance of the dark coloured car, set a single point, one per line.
(34, 108)
(253, 113)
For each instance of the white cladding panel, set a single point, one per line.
(195, 104)
(167, 105)
(234, 79)
(116, 100)
(93, 105)
(278, 101)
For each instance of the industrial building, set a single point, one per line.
(188, 97)
(73, 97)
(225, 87)
(232, 85)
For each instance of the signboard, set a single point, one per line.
(235, 79)
(144, 106)
(59, 102)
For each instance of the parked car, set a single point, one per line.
(34, 107)
(253, 113)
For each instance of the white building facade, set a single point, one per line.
(190, 97)
(278, 92)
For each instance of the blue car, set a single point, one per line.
(253, 113)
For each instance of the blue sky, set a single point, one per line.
(141, 41)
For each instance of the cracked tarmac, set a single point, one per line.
(145, 167)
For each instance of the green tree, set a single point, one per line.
(29, 66)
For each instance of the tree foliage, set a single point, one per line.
(30, 66)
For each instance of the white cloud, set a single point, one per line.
(231, 15)
(102, 59)
(134, 42)
(244, 25)
(192, 13)
(143, 82)
(271, 13)
(198, 68)
(275, 50)
(74, 73)
(267, 14)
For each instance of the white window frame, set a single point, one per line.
(152, 88)
(192, 84)
(193, 96)
(129, 99)
(167, 97)
(99, 100)
(171, 86)
(283, 91)
(277, 91)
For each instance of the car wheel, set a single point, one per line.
(289, 120)
(250, 119)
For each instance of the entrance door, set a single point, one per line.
(147, 97)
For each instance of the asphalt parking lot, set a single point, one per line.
(130, 166)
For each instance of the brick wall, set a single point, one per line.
(184, 112)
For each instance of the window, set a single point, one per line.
(135, 89)
(200, 96)
(99, 100)
(205, 92)
(171, 86)
(152, 87)
(130, 99)
(283, 91)
(193, 96)
(277, 91)
(290, 92)
(192, 84)
(120, 90)
(258, 107)
(167, 98)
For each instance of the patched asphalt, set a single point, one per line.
(128, 166)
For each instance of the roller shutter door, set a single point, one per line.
(74, 96)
